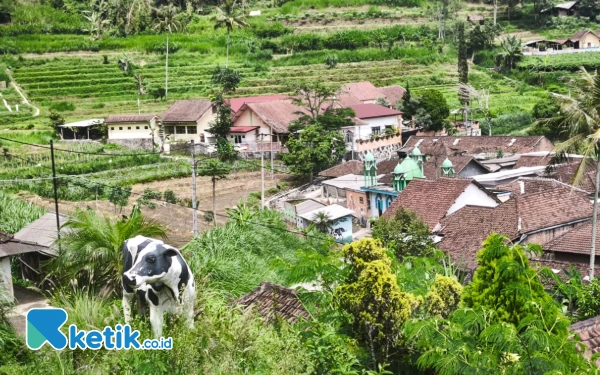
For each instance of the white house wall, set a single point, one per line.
(140, 130)
(204, 125)
(472, 196)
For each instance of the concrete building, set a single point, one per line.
(188, 120)
(340, 218)
(133, 130)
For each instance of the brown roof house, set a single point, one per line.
(33, 244)
(348, 167)
(139, 131)
(188, 120)
(569, 8)
(480, 147)
(537, 211)
(366, 93)
(274, 302)
(433, 200)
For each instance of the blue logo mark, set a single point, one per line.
(43, 325)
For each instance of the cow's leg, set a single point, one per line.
(156, 320)
(127, 299)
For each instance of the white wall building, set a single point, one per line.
(188, 120)
(376, 119)
(132, 126)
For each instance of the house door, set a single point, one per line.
(380, 207)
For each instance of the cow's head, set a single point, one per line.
(153, 263)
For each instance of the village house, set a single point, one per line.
(537, 211)
(366, 93)
(237, 103)
(339, 218)
(293, 208)
(82, 130)
(569, 8)
(133, 130)
(188, 120)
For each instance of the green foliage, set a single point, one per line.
(463, 67)
(16, 214)
(373, 298)
(444, 296)
(509, 123)
(436, 108)
(222, 123)
(55, 118)
(227, 79)
(331, 61)
(119, 196)
(170, 197)
(505, 283)
(63, 106)
(405, 234)
(90, 249)
(546, 108)
(314, 149)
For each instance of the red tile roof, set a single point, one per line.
(186, 110)
(589, 333)
(545, 203)
(362, 91)
(476, 145)
(393, 94)
(346, 100)
(566, 173)
(349, 167)
(430, 199)
(114, 119)
(242, 129)
(364, 111)
(532, 161)
(237, 103)
(577, 241)
(278, 114)
(274, 301)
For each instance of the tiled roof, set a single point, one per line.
(566, 173)
(115, 119)
(237, 103)
(346, 100)
(478, 145)
(538, 184)
(186, 110)
(242, 129)
(274, 301)
(349, 167)
(433, 165)
(589, 333)
(430, 199)
(276, 113)
(465, 230)
(544, 204)
(532, 161)
(578, 240)
(364, 111)
(393, 94)
(362, 91)
(579, 34)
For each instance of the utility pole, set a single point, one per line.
(262, 173)
(272, 169)
(55, 189)
(195, 211)
(167, 67)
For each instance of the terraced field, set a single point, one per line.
(97, 89)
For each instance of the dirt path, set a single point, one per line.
(13, 83)
(178, 219)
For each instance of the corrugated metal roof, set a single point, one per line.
(335, 211)
(83, 124)
(41, 232)
(15, 248)
(307, 206)
(115, 119)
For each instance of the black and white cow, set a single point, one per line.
(160, 278)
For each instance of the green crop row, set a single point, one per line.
(572, 61)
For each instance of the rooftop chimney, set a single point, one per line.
(522, 185)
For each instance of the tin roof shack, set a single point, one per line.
(338, 220)
(293, 208)
(33, 245)
(82, 130)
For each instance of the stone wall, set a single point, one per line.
(145, 144)
(382, 149)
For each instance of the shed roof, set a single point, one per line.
(41, 233)
(115, 119)
(349, 167)
(186, 110)
(349, 181)
(307, 206)
(365, 111)
(568, 5)
(273, 302)
(334, 212)
(83, 123)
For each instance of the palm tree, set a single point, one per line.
(216, 170)
(510, 51)
(322, 221)
(167, 22)
(228, 17)
(579, 119)
(90, 248)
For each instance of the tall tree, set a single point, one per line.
(579, 119)
(510, 52)
(229, 17)
(435, 107)
(90, 249)
(463, 69)
(216, 170)
(313, 96)
(167, 22)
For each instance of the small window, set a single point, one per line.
(170, 129)
(112, 128)
(120, 128)
(361, 200)
(180, 129)
(192, 130)
(243, 136)
(388, 126)
(145, 127)
(137, 128)
(129, 128)
(376, 129)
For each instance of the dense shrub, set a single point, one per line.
(509, 123)
(63, 106)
